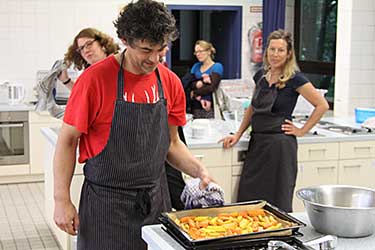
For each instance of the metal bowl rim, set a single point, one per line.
(334, 186)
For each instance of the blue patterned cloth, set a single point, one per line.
(193, 197)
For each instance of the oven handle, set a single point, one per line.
(12, 125)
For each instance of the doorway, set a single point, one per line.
(220, 25)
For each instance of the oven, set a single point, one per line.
(14, 138)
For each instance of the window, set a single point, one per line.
(315, 42)
(220, 25)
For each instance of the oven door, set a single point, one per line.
(14, 142)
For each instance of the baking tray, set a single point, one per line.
(291, 225)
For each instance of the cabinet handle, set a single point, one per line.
(199, 157)
(362, 148)
(352, 166)
(317, 150)
(325, 168)
(12, 125)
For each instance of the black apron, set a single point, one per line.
(125, 185)
(270, 168)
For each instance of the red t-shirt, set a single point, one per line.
(91, 103)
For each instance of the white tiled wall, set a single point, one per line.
(355, 56)
(35, 33)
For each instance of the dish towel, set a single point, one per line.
(44, 91)
(193, 197)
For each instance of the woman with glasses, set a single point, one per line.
(89, 46)
(207, 75)
(270, 168)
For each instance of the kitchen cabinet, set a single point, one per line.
(312, 173)
(38, 120)
(317, 165)
(358, 172)
(238, 158)
(64, 239)
(218, 162)
(357, 163)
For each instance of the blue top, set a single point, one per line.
(196, 70)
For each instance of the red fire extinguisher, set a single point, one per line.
(255, 39)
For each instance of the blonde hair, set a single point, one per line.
(75, 58)
(207, 46)
(291, 66)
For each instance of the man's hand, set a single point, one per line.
(66, 217)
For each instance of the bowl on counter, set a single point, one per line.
(341, 210)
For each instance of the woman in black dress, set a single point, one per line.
(270, 168)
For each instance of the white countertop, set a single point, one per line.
(221, 128)
(218, 129)
(158, 239)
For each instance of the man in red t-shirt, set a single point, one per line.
(124, 112)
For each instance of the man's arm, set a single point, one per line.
(65, 214)
(181, 158)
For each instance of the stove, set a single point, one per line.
(240, 244)
(321, 123)
(347, 130)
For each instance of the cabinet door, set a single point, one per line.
(213, 157)
(359, 172)
(235, 182)
(314, 173)
(36, 141)
(222, 176)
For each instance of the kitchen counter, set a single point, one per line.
(218, 129)
(158, 239)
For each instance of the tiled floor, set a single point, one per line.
(22, 222)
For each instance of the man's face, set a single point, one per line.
(144, 56)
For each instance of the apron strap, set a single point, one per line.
(120, 79)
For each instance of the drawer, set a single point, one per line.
(318, 152)
(238, 155)
(213, 157)
(236, 170)
(358, 149)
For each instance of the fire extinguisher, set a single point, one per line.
(255, 40)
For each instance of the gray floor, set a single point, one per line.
(22, 222)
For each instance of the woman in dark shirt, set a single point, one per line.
(270, 168)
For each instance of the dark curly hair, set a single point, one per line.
(75, 58)
(146, 20)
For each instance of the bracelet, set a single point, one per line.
(67, 81)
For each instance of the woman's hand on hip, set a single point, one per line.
(66, 217)
(290, 129)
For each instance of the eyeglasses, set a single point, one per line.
(199, 51)
(87, 45)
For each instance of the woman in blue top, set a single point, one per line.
(208, 75)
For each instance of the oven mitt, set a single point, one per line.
(44, 91)
(193, 197)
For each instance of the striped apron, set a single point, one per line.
(125, 185)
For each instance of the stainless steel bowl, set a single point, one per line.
(345, 211)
